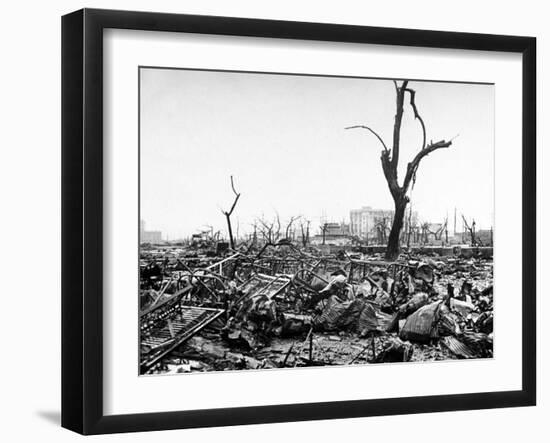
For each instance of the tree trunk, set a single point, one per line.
(231, 240)
(390, 160)
(392, 250)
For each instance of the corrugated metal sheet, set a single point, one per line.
(361, 316)
(457, 347)
(421, 325)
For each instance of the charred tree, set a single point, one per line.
(390, 160)
(228, 214)
(266, 230)
(289, 233)
(409, 227)
(305, 233)
(471, 230)
(270, 229)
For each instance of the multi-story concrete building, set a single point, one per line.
(364, 221)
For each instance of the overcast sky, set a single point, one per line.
(282, 137)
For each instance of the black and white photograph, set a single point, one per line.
(275, 222)
(290, 221)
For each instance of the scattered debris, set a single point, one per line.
(210, 307)
(421, 326)
(457, 347)
(395, 351)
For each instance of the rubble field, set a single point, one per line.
(284, 307)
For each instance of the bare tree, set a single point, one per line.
(289, 226)
(381, 230)
(390, 159)
(277, 230)
(265, 228)
(471, 229)
(304, 228)
(438, 234)
(228, 214)
(270, 230)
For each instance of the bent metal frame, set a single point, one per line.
(82, 235)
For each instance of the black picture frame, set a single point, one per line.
(82, 220)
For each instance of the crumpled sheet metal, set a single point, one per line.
(424, 272)
(394, 351)
(416, 302)
(360, 315)
(481, 344)
(457, 347)
(333, 311)
(462, 307)
(421, 326)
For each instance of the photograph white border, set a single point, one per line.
(125, 392)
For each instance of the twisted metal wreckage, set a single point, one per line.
(290, 307)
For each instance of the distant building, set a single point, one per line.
(148, 236)
(333, 234)
(364, 221)
(336, 229)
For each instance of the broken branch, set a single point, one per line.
(228, 214)
(237, 196)
(371, 130)
(397, 123)
(412, 92)
(412, 167)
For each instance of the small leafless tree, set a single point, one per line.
(438, 234)
(289, 226)
(270, 230)
(304, 228)
(471, 229)
(381, 230)
(277, 228)
(265, 229)
(228, 214)
(390, 160)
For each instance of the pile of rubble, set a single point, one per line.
(285, 307)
